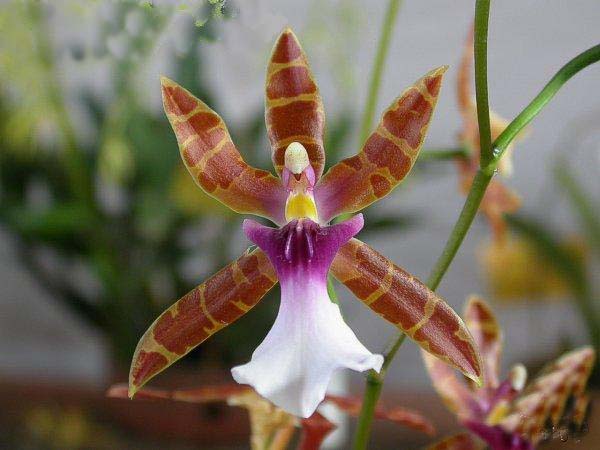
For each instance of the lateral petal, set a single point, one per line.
(484, 328)
(386, 157)
(545, 399)
(213, 160)
(219, 301)
(294, 110)
(455, 394)
(407, 303)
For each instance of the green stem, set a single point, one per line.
(477, 191)
(372, 393)
(461, 227)
(577, 64)
(389, 21)
(482, 14)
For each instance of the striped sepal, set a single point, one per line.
(213, 161)
(484, 328)
(386, 157)
(407, 303)
(219, 301)
(544, 401)
(294, 110)
(455, 394)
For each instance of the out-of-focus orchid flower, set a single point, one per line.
(271, 427)
(507, 414)
(498, 199)
(516, 269)
(309, 340)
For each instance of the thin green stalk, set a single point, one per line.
(457, 236)
(372, 393)
(389, 22)
(482, 14)
(480, 183)
(577, 64)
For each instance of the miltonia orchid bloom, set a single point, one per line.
(309, 339)
(507, 414)
(498, 199)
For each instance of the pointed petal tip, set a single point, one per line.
(287, 30)
(131, 391)
(166, 81)
(438, 71)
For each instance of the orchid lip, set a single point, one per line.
(309, 339)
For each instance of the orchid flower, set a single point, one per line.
(507, 414)
(271, 428)
(498, 199)
(309, 339)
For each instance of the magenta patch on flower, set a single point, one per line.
(309, 340)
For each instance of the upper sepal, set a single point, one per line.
(294, 109)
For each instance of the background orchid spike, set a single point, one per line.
(508, 415)
(498, 199)
(271, 427)
(300, 252)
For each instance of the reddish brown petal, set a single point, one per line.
(294, 110)
(544, 400)
(455, 394)
(213, 305)
(486, 332)
(314, 431)
(407, 303)
(213, 161)
(205, 394)
(402, 416)
(462, 441)
(386, 157)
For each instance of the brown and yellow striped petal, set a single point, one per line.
(403, 300)
(455, 394)
(294, 110)
(213, 160)
(386, 157)
(544, 400)
(462, 441)
(486, 332)
(219, 301)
